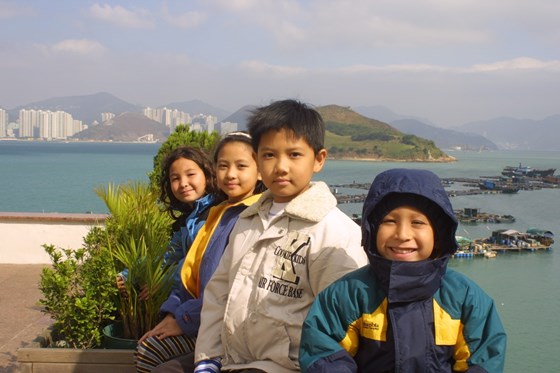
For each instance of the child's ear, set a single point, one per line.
(320, 159)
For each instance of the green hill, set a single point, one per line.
(352, 136)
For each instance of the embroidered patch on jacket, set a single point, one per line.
(374, 325)
(290, 255)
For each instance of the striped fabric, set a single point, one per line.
(208, 366)
(153, 351)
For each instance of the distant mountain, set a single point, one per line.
(444, 138)
(519, 134)
(385, 114)
(194, 107)
(352, 135)
(87, 108)
(504, 132)
(125, 127)
(241, 117)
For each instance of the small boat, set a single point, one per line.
(527, 171)
(490, 254)
(463, 254)
(498, 186)
(470, 215)
(504, 240)
(509, 190)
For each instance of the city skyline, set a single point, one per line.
(448, 62)
(59, 124)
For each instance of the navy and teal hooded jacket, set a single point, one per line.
(394, 316)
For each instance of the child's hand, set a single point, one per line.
(144, 293)
(121, 287)
(168, 327)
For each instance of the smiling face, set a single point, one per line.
(287, 164)
(236, 170)
(405, 234)
(188, 182)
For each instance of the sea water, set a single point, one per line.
(61, 177)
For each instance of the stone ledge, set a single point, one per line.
(67, 360)
(52, 217)
(41, 359)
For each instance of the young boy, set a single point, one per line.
(282, 252)
(406, 311)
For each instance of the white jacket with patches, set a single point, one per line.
(256, 302)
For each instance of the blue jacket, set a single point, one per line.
(184, 237)
(393, 316)
(184, 306)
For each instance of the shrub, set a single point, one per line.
(79, 292)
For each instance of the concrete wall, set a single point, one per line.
(23, 234)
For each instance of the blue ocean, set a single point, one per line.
(62, 177)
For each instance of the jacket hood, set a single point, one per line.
(420, 188)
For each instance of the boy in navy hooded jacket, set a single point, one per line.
(406, 311)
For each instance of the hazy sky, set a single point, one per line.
(450, 61)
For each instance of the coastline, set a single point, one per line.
(450, 159)
(68, 141)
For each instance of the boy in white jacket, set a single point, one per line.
(283, 251)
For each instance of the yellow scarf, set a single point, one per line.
(191, 266)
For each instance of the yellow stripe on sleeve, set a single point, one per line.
(372, 326)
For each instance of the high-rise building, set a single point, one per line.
(170, 117)
(227, 127)
(47, 124)
(106, 116)
(3, 123)
(27, 122)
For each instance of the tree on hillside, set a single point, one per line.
(182, 136)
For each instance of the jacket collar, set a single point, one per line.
(312, 205)
(409, 281)
(204, 203)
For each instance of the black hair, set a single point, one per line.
(198, 156)
(238, 136)
(299, 118)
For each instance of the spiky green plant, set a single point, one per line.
(138, 237)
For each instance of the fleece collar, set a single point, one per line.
(312, 205)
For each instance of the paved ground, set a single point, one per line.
(21, 320)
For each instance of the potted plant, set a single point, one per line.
(79, 293)
(137, 239)
(79, 289)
